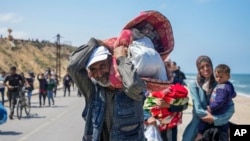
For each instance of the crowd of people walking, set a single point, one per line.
(11, 82)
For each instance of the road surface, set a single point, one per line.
(60, 122)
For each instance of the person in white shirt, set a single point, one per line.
(2, 87)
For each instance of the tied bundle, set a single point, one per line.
(176, 95)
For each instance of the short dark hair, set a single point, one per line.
(174, 63)
(13, 68)
(222, 68)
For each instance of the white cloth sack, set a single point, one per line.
(147, 61)
(146, 42)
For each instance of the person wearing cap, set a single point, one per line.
(110, 114)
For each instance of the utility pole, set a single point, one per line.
(58, 56)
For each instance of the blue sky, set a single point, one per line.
(217, 28)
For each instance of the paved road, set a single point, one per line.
(61, 122)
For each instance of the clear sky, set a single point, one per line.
(217, 28)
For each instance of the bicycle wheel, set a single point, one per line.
(27, 107)
(19, 108)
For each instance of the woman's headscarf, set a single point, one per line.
(209, 84)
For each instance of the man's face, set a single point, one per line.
(100, 72)
(13, 71)
(49, 76)
(42, 75)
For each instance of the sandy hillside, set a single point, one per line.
(32, 56)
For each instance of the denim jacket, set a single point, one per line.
(127, 113)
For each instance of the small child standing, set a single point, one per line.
(221, 97)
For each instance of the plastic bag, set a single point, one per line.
(152, 133)
(3, 114)
(147, 61)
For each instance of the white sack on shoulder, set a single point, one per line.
(147, 61)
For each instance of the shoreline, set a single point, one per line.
(242, 112)
(243, 94)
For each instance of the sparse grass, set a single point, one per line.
(24, 68)
(35, 56)
(3, 51)
(15, 63)
(40, 62)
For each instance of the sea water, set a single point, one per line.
(241, 82)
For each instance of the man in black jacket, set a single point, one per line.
(14, 82)
(67, 80)
(179, 76)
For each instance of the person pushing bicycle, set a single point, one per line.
(15, 81)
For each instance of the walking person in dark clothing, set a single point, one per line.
(42, 88)
(179, 76)
(66, 83)
(30, 80)
(14, 81)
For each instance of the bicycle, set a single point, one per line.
(22, 103)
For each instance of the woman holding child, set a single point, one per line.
(201, 91)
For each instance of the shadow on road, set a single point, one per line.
(46, 106)
(33, 116)
(61, 106)
(11, 133)
(34, 107)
